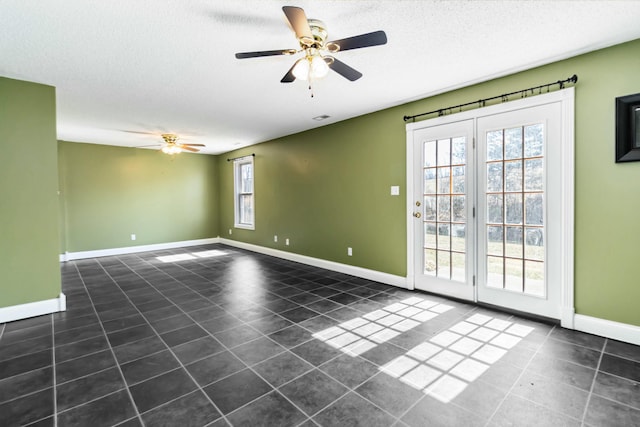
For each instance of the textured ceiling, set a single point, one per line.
(125, 68)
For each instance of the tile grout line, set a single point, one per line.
(181, 365)
(352, 389)
(440, 330)
(195, 291)
(509, 392)
(250, 367)
(110, 348)
(228, 349)
(593, 384)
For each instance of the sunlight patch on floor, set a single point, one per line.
(191, 256)
(444, 365)
(361, 334)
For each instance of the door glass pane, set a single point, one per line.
(458, 237)
(459, 151)
(429, 154)
(430, 262)
(533, 175)
(513, 243)
(533, 208)
(495, 272)
(494, 145)
(513, 208)
(533, 140)
(458, 207)
(444, 208)
(495, 243)
(444, 264)
(494, 176)
(513, 176)
(534, 278)
(513, 143)
(534, 243)
(444, 237)
(429, 235)
(445, 205)
(430, 181)
(444, 152)
(458, 180)
(429, 208)
(513, 274)
(514, 191)
(444, 180)
(494, 208)
(458, 267)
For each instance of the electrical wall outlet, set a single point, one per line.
(395, 190)
(133, 237)
(286, 242)
(275, 239)
(349, 251)
(230, 231)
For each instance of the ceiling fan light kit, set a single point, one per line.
(171, 149)
(172, 146)
(312, 38)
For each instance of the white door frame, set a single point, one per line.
(566, 98)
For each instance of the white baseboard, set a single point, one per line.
(32, 309)
(365, 273)
(592, 325)
(607, 328)
(70, 256)
(567, 317)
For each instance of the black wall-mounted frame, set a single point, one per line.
(628, 128)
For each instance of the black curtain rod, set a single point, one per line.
(241, 157)
(504, 98)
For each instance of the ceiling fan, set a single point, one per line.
(172, 146)
(318, 52)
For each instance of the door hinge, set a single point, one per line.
(474, 142)
(474, 280)
(474, 212)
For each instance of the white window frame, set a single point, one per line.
(238, 194)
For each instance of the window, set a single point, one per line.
(243, 192)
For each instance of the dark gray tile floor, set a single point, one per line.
(219, 336)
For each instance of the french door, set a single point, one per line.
(490, 220)
(443, 209)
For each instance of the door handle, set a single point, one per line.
(417, 214)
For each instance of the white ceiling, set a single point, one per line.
(123, 68)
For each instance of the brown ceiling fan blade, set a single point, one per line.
(375, 38)
(344, 70)
(289, 77)
(184, 147)
(257, 54)
(193, 145)
(298, 20)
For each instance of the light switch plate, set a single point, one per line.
(395, 190)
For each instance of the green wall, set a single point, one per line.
(29, 266)
(109, 193)
(328, 188)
